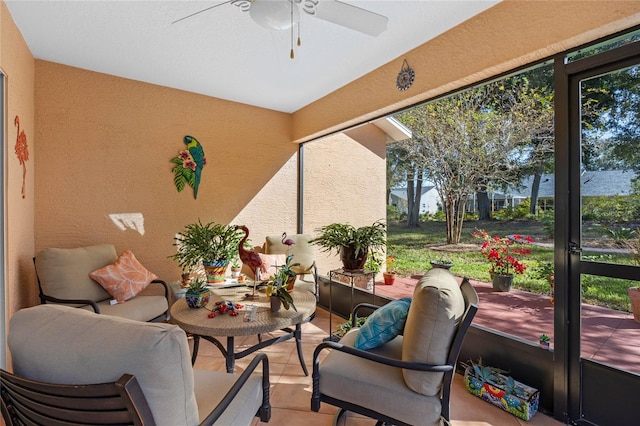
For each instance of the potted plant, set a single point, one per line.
(374, 264)
(501, 253)
(197, 294)
(546, 271)
(441, 263)
(277, 292)
(544, 341)
(288, 272)
(390, 275)
(343, 328)
(353, 244)
(235, 268)
(211, 244)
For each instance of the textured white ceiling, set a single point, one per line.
(222, 52)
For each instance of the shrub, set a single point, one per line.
(547, 218)
(392, 213)
(439, 216)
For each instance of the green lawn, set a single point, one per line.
(413, 250)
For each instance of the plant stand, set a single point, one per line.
(352, 277)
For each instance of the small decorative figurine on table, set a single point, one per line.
(226, 306)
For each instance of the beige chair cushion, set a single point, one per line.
(376, 386)
(436, 310)
(302, 251)
(212, 386)
(140, 308)
(59, 344)
(64, 273)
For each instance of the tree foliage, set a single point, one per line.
(481, 136)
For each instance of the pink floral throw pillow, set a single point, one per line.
(125, 278)
(270, 261)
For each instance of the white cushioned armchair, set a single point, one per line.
(63, 277)
(63, 345)
(407, 380)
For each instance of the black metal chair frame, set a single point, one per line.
(27, 401)
(45, 298)
(471, 306)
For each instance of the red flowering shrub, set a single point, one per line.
(501, 252)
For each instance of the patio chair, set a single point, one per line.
(406, 379)
(63, 278)
(72, 366)
(302, 252)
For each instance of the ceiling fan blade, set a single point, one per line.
(353, 17)
(201, 11)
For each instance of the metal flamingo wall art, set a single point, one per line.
(188, 165)
(22, 151)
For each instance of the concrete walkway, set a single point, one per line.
(608, 336)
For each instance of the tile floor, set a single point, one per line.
(291, 390)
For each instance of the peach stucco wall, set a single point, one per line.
(344, 181)
(17, 64)
(105, 148)
(509, 35)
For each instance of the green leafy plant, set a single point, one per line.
(374, 263)
(197, 285)
(544, 338)
(343, 328)
(286, 269)
(210, 242)
(337, 235)
(276, 288)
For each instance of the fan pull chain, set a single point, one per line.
(291, 55)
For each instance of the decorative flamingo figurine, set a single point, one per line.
(287, 241)
(251, 259)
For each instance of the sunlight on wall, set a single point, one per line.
(124, 221)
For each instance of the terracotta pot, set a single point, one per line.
(634, 295)
(290, 283)
(350, 262)
(389, 277)
(502, 282)
(215, 270)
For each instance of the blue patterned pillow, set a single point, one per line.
(383, 324)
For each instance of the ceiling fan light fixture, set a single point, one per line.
(274, 14)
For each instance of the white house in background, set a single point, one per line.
(593, 183)
(602, 183)
(429, 201)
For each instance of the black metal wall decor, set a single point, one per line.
(405, 77)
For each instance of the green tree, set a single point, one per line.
(476, 137)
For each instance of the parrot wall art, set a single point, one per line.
(188, 165)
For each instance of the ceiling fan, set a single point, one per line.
(284, 14)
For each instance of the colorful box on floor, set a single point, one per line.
(504, 392)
